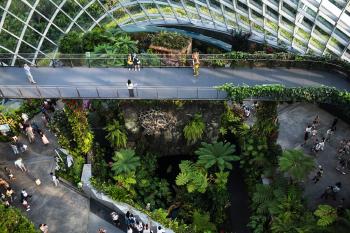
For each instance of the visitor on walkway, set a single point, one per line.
(129, 229)
(336, 189)
(25, 195)
(129, 62)
(147, 229)
(24, 117)
(127, 218)
(44, 120)
(26, 205)
(307, 133)
(314, 134)
(195, 63)
(44, 228)
(30, 134)
(329, 133)
(54, 178)
(139, 226)
(316, 122)
(9, 193)
(9, 173)
(132, 220)
(101, 230)
(29, 74)
(318, 175)
(19, 163)
(136, 62)
(334, 124)
(160, 230)
(44, 138)
(115, 219)
(130, 86)
(14, 148)
(328, 192)
(3, 183)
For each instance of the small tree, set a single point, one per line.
(71, 43)
(125, 162)
(296, 164)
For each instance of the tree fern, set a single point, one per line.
(194, 130)
(218, 154)
(194, 177)
(125, 162)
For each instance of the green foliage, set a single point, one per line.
(125, 161)
(93, 38)
(99, 166)
(194, 130)
(116, 135)
(170, 40)
(124, 45)
(221, 179)
(126, 180)
(296, 164)
(71, 43)
(201, 222)
(277, 92)
(218, 154)
(160, 216)
(327, 215)
(193, 176)
(12, 221)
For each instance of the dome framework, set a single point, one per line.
(320, 27)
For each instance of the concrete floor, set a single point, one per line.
(293, 120)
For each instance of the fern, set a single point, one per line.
(194, 177)
(327, 215)
(194, 130)
(116, 135)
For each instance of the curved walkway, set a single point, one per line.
(153, 83)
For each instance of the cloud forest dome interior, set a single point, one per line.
(305, 26)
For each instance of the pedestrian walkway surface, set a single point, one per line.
(93, 78)
(62, 208)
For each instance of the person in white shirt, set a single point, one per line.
(139, 226)
(160, 230)
(29, 75)
(19, 163)
(115, 218)
(130, 86)
(54, 179)
(147, 229)
(129, 229)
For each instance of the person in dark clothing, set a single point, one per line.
(334, 124)
(328, 192)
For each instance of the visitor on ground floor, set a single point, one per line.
(115, 219)
(44, 139)
(44, 228)
(318, 175)
(54, 178)
(30, 134)
(19, 163)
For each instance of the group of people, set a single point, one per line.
(136, 226)
(133, 62)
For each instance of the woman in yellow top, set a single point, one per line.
(129, 62)
(195, 57)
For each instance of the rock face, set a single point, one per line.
(169, 140)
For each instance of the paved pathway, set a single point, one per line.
(293, 120)
(61, 208)
(88, 79)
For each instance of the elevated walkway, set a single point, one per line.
(152, 83)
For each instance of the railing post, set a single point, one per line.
(157, 93)
(137, 92)
(197, 93)
(78, 92)
(98, 94)
(39, 92)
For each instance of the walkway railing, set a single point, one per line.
(173, 60)
(111, 92)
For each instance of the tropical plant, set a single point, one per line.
(296, 164)
(116, 135)
(125, 161)
(193, 176)
(221, 179)
(218, 154)
(201, 222)
(124, 45)
(170, 40)
(327, 215)
(126, 180)
(194, 130)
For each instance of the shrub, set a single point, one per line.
(194, 130)
(171, 40)
(12, 221)
(71, 43)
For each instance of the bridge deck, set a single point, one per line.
(152, 83)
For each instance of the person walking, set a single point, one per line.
(334, 124)
(318, 175)
(44, 228)
(29, 74)
(19, 163)
(54, 179)
(115, 219)
(329, 133)
(30, 134)
(130, 86)
(9, 193)
(307, 134)
(336, 189)
(328, 192)
(44, 138)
